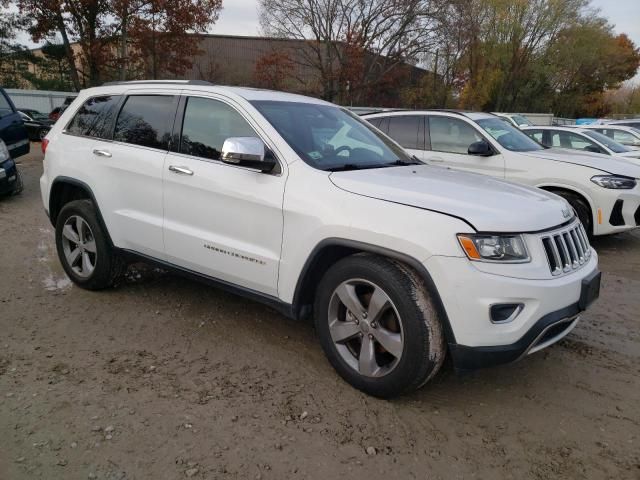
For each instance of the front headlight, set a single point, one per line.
(614, 181)
(4, 152)
(494, 248)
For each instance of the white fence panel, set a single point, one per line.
(42, 100)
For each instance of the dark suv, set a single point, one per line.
(14, 142)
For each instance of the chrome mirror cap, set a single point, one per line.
(239, 149)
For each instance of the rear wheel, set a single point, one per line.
(378, 326)
(83, 248)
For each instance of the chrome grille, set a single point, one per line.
(567, 249)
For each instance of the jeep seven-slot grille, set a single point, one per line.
(567, 249)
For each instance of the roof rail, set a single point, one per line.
(158, 82)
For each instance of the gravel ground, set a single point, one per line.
(166, 378)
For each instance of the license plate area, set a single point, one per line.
(590, 290)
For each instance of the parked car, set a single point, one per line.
(604, 191)
(630, 122)
(14, 142)
(515, 119)
(37, 123)
(583, 139)
(627, 136)
(300, 204)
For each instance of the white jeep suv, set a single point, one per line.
(300, 204)
(604, 191)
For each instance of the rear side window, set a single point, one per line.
(407, 130)
(207, 124)
(146, 120)
(95, 117)
(537, 135)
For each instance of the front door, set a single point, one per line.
(450, 139)
(221, 220)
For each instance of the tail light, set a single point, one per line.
(43, 145)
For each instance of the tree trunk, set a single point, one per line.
(123, 47)
(73, 71)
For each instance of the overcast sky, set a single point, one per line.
(240, 17)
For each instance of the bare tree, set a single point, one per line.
(383, 33)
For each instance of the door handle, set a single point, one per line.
(180, 170)
(102, 153)
(435, 160)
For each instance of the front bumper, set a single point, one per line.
(617, 211)
(8, 176)
(550, 309)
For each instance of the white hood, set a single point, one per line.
(633, 156)
(489, 204)
(605, 163)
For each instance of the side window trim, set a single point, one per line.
(179, 125)
(427, 132)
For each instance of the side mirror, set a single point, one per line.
(592, 149)
(247, 152)
(480, 149)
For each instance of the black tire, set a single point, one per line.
(423, 348)
(582, 209)
(108, 265)
(19, 185)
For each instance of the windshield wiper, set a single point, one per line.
(403, 163)
(352, 166)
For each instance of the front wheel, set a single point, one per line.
(378, 326)
(83, 247)
(582, 210)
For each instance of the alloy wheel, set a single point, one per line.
(79, 246)
(365, 327)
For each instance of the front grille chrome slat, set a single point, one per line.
(566, 249)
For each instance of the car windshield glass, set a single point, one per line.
(520, 120)
(612, 145)
(331, 138)
(509, 137)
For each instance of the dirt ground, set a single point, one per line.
(164, 378)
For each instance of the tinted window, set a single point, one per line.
(5, 107)
(537, 135)
(146, 120)
(452, 135)
(330, 138)
(407, 131)
(207, 124)
(94, 118)
(376, 122)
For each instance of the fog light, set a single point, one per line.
(505, 312)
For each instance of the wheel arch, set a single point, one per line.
(67, 189)
(556, 187)
(329, 251)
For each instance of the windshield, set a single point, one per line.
(508, 136)
(522, 121)
(331, 138)
(612, 145)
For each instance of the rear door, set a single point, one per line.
(220, 220)
(450, 138)
(126, 139)
(12, 130)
